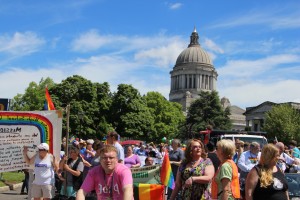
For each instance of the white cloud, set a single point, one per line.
(90, 41)
(285, 17)
(254, 68)
(211, 45)
(250, 82)
(16, 80)
(163, 56)
(175, 6)
(254, 93)
(104, 68)
(159, 50)
(20, 44)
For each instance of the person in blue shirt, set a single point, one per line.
(295, 152)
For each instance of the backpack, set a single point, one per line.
(77, 180)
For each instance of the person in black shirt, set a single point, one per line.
(212, 155)
(266, 181)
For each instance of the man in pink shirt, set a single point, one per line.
(110, 180)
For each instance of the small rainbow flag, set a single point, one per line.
(48, 105)
(166, 174)
(143, 191)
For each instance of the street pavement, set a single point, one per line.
(12, 195)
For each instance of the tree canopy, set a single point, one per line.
(167, 116)
(95, 109)
(283, 121)
(206, 110)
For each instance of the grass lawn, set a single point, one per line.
(11, 177)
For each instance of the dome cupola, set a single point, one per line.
(194, 53)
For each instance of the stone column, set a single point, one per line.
(197, 81)
(193, 80)
(200, 84)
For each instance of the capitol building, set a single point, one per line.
(194, 72)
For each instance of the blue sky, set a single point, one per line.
(255, 45)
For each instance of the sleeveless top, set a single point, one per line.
(43, 170)
(275, 191)
(196, 191)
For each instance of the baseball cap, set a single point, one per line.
(44, 146)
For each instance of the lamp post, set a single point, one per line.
(80, 116)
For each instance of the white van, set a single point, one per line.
(216, 135)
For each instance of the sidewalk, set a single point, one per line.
(12, 193)
(11, 187)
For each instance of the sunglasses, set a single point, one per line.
(42, 150)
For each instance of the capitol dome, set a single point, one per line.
(193, 72)
(194, 53)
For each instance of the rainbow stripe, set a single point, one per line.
(166, 174)
(148, 191)
(48, 102)
(24, 118)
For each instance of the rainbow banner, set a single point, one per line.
(48, 105)
(19, 129)
(166, 174)
(143, 191)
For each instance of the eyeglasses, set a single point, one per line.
(107, 158)
(42, 149)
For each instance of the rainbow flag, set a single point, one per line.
(48, 105)
(148, 191)
(166, 174)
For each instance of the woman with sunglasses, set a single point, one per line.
(194, 173)
(72, 165)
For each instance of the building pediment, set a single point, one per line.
(261, 108)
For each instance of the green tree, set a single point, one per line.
(283, 121)
(34, 96)
(129, 113)
(103, 104)
(167, 116)
(91, 100)
(206, 110)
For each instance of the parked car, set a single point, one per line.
(293, 180)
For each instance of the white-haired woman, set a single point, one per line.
(44, 167)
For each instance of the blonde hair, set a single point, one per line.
(268, 154)
(227, 147)
(107, 149)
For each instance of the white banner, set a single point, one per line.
(19, 129)
(147, 174)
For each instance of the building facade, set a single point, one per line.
(192, 73)
(255, 116)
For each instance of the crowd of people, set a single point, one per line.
(225, 170)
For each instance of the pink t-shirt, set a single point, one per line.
(100, 182)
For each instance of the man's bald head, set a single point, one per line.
(280, 146)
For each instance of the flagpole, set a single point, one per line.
(67, 145)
